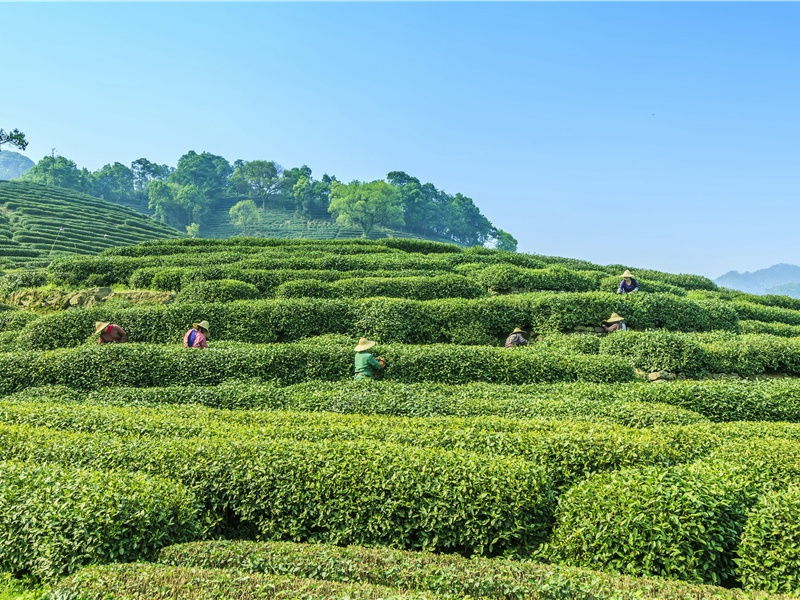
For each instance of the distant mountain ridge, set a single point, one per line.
(13, 164)
(777, 279)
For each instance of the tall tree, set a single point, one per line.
(144, 172)
(244, 215)
(14, 137)
(114, 183)
(207, 172)
(60, 172)
(163, 201)
(504, 240)
(311, 198)
(259, 178)
(366, 205)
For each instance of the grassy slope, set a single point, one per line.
(32, 215)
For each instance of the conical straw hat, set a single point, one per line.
(614, 318)
(99, 326)
(627, 273)
(364, 344)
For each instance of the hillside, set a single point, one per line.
(579, 450)
(13, 164)
(764, 281)
(38, 223)
(284, 223)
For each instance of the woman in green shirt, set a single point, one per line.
(366, 365)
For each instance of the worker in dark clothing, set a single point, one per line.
(516, 339)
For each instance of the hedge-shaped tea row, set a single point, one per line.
(145, 365)
(15, 320)
(569, 450)
(592, 402)
(417, 288)
(769, 553)
(456, 320)
(766, 300)
(159, 582)
(768, 314)
(341, 492)
(446, 574)
(173, 279)
(504, 278)
(683, 522)
(780, 329)
(745, 355)
(56, 519)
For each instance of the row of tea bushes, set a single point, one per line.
(173, 279)
(436, 573)
(695, 355)
(159, 582)
(56, 519)
(581, 401)
(481, 321)
(766, 300)
(568, 450)
(687, 521)
(355, 492)
(780, 329)
(417, 288)
(144, 365)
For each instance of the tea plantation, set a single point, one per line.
(658, 462)
(38, 223)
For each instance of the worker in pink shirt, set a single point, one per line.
(197, 336)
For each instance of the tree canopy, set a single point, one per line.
(204, 183)
(14, 137)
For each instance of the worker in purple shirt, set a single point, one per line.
(628, 285)
(516, 339)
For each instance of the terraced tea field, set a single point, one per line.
(38, 223)
(258, 468)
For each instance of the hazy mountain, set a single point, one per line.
(777, 279)
(13, 164)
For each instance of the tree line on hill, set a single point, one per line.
(186, 195)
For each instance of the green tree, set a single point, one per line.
(311, 198)
(163, 201)
(259, 178)
(207, 172)
(366, 205)
(114, 183)
(143, 172)
(14, 137)
(60, 172)
(245, 215)
(193, 230)
(504, 240)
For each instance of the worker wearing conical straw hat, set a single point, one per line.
(516, 339)
(197, 336)
(615, 323)
(366, 365)
(109, 333)
(628, 285)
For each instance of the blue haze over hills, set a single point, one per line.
(778, 279)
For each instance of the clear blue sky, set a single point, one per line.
(660, 135)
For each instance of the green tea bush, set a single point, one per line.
(567, 450)
(143, 365)
(780, 329)
(56, 519)
(159, 582)
(680, 523)
(768, 314)
(165, 280)
(421, 246)
(417, 288)
(221, 290)
(446, 574)
(355, 492)
(688, 282)
(575, 401)
(15, 320)
(769, 553)
(505, 278)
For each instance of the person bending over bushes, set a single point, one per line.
(366, 365)
(197, 336)
(628, 285)
(615, 323)
(516, 339)
(109, 333)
